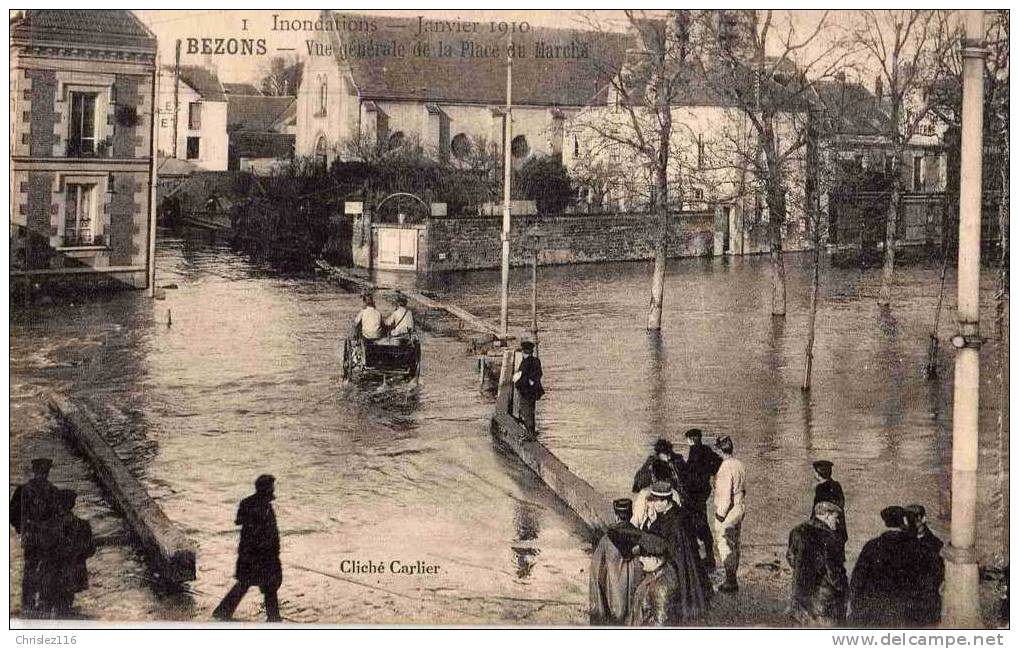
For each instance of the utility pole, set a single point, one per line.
(961, 608)
(176, 96)
(153, 171)
(507, 163)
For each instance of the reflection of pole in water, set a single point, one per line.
(527, 523)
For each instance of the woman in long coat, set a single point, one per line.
(675, 525)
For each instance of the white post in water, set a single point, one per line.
(961, 608)
(507, 133)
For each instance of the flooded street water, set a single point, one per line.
(246, 381)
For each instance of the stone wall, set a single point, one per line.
(474, 243)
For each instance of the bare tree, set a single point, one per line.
(283, 77)
(643, 93)
(769, 72)
(907, 49)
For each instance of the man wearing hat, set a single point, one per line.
(400, 323)
(673, 523)
(820, 587)
(68, 573)
(829, 490)
(730, 508)
(33, 505)
(884, 584)
(654, 601)
(258, 555)
(527, 380)
(663, 452)
(615, 572)
(701, 465)
(931, 571)
(368, 321)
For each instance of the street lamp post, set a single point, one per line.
(507, 161)
(534, 239)
(961, 608)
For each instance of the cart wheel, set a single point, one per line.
(346, 360)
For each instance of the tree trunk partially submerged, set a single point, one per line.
(891, 228)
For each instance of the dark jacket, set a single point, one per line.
(677, 469)
(693, 589)
(930, 573)
(701, 464)
(258, 555)
(885, 583)
(76, 546)
(654, 601)
(529, 384)
(33, 506)
(820, 587)
(615, 574)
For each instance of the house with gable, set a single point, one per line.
(193, 117)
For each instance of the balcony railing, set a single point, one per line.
(83, 241)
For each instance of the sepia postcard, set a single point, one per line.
(510, 318)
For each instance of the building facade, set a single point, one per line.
(83, 86)
(193, 117)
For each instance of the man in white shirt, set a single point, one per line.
(730, 507)
(369, 319)
(400, 322)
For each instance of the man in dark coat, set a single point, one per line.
(654, 601)
(930, 572)
(69, 572)
(674, 524)
(820, 586)
(258, 555)
(830, 491)
(884, 582)
(615, 571)
(663, 452)
(32, 506)
(527, 380)
(701, 465)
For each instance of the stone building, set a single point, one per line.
(82, 99)
(199, 104)
(368, 78)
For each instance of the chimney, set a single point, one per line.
(841, 77)
(878, 88)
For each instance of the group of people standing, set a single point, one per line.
(56, 545)
(654, 566)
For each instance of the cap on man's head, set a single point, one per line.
(916, 510)
(823, 468)
(892, 516)
(264, 481)
(368, 297)
(693, 433)
(651, 546)
(623, 507)
(724, 444)
(824, 507)
(661, 489)
(663, 445)
(41, 464)
(527, 346)
(400, 299)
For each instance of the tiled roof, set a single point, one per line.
(287, 118)
(175, 167)
(255, 113)
(559, 81)
(261, 145)
(852, 109)
(241, 89)
(110, 27)
(204, 81)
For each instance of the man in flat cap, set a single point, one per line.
(654, 601)
(730, 508)
(701, 465)
(527, 380)
(931, 570)
(673, 523)
(829, 490)
(258, 555)
(68, 573)
(400, 323)
(33, 505)
(615, 571)
(884, 585)
(820, 587)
